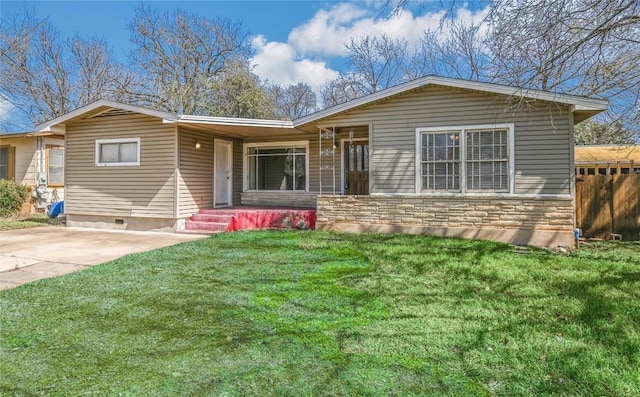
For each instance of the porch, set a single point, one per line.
(244, 217)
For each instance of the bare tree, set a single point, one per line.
(43, 76)
(97, 75)
(179, 54)
(294, 101)
(586, 48)
(459, 53)
(375, 62)
(345, 88)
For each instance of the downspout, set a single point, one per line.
(39, 159)
(40, 193)
(572, 169)
(176, 180)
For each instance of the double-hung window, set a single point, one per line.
(474, 159)
(118, 152)
(277, 166)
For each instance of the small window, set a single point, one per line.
(4, 163)
(55, 166)
(118, 152)
(7, 162)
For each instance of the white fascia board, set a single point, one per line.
(49, 132)
(47, 126)
(579, 103)
(240, 122)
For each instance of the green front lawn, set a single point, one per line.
(310, 313)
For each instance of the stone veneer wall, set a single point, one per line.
(279, 199)
(541, 221)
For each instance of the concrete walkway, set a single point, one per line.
(48, 251)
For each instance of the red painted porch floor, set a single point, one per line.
(226, 219)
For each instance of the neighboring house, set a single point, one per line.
(607, 159)
(434, 155)
(35, 159)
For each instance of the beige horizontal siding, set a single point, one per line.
(146, 190)
(196, 171)
(25, 160)
(542, 136)
(195, 183)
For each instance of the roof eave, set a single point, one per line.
(238, 122)
(582, 104)
(50, 124)
(32, 134)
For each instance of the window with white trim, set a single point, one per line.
(276, 166)
(118, 152)
(474, 159)
(55, 165)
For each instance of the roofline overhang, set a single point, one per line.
(582, 105)
(31, 134)
(51, 124)
(230, 121)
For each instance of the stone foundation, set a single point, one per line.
(539, 221)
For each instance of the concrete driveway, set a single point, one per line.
(49, 251)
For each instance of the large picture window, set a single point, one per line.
(465, 159)
(118, 152)
(276, 166)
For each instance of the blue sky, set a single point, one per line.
(293, 41)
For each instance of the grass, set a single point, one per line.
(33, 220)
(320, 314)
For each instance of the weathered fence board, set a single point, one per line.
(608, 204)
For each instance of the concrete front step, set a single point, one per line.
(218, 212)
(211, 218)
(211, 226)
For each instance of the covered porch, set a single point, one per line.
(236, 174)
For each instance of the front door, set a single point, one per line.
(222, 164)
(356, 168)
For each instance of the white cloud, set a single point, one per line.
(324, 35)
(279, 63)
(328, 31)
(5, 109)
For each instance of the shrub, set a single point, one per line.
(12, 197)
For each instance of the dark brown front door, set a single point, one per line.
(356, 168)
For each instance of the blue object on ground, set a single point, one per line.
(56, 209)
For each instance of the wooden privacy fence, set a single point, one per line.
(608, 204)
